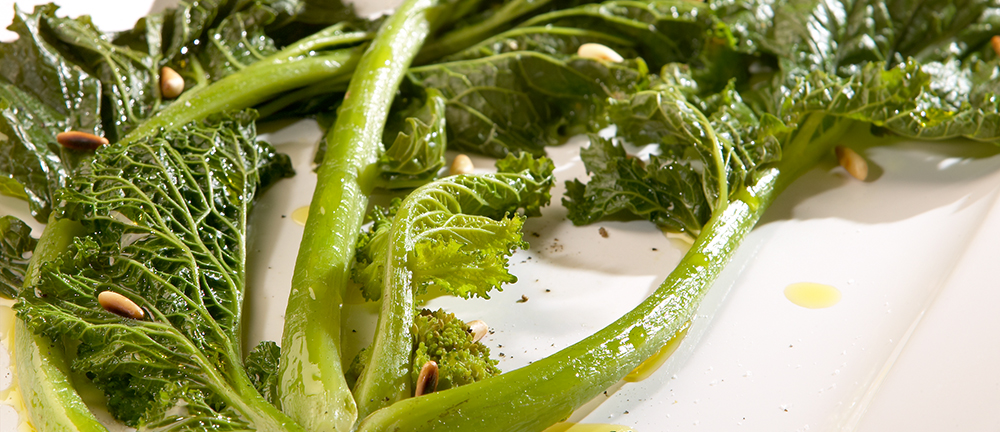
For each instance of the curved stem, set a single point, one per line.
(312, 388)
(42, 373)
(248, 87)
(547, 391)
(465, 37)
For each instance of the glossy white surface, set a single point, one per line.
(910, 346)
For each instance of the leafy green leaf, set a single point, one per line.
(841, 36)
(129, 79)
(718, 142)
(524, 101)
(35, 165)
(16, 245)
(41, 94)
(418, 141)
(36, 66)
(663, 191)
(262, 367)
(455, 233)
(166, 219)
(661, 31)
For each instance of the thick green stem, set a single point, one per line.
(386, 377)
(261, 413)
(43, 379)
(248, 87)
(460, 39)
(42, 372)
(293, 67)
(547, 391)
(311, 385)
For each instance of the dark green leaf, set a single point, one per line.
(662, 31)
(129, 79)
(665, 192)
(16, 245)
(166, 219)
(415, 141)
(41, 94)
(262, 367)
(841, 36)
(524, 101)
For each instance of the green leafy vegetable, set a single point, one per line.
(443, 338)
(262, 368)
(525, 100)
(164, 222)
(708, 147)
(455, 234)
(415, 141)
(456, 248)
(661, 31)
(723, 157)
(64, 74)
(16, 246)
(41, 94)
(312, 387)
(446, 340)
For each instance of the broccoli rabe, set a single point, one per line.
(456, 234)
(442, 337)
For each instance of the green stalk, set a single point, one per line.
(312, 388)
(460, 39)
(286, 70)
(42, 372)
(548, 391)
(386, 377)
(248, 87)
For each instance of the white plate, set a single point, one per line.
(910, 346)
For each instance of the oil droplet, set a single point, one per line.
(300, 215)
(646, 368)
(812, 295)
(587, 427)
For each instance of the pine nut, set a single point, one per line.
(478, 328)
(427, 381)
(120, 305)
(171, 83)
(599, 52)
(852, 162)
(80, 140)
(461, 165)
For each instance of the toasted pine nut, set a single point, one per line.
(119, 305)
(478, 328)
(599, 52)
(171, 83)
(80, 140)
(461, 165)
(852, 162)
(427, 381)
(995, 43)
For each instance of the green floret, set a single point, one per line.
(442, 337)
